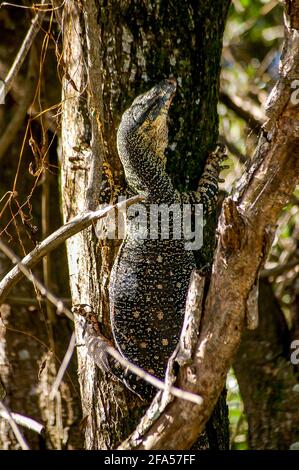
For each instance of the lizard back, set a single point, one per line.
(150, 277)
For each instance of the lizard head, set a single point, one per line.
(145, 121)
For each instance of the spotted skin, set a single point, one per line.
(150, 278)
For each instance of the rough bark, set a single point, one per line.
(267, 378)
(128, 47)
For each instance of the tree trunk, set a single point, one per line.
(267, 378)
(112, 52)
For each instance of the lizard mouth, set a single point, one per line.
(155, 102)
(147, 118)
(166, 90)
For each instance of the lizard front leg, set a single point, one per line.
(207, 191)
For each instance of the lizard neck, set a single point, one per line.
(144, 167)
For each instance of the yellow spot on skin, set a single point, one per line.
(178, 284)
(159, 286)
(136, 314)
(143, 345)
(156, 357)
(151, 371)
(159, 259)
(160, 316)
(165, 342)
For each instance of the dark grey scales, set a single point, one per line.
(150, 278)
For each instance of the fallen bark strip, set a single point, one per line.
(245, 229)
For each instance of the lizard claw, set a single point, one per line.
(217, 157)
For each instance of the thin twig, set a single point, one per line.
(63, 367)
(23, 51)
(29, 301)
(75, 225)
(44, 292)
(280, 269)
(177, 392)
(95, 350)
(24, 421)
(20, 112)
(233, 149)
(19, 436)
(45, 222)
(243, 110)
(34, 6)
(58, 8)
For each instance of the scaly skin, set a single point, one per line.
(150, 278)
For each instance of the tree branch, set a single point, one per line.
(58, 237)
(63, 367)
(242, 109)
(233, 149)
(43, 290)
(280, 269)
(13, 424)
(21, 110)
(96, 345)
(23, 51)
(24, 421)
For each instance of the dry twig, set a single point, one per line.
(43, 290)
(19, 436)
(20, 112)
(23, 51)
(24, 421)
(58, 237)
(63, 366)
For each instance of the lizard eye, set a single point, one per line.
(137, 112)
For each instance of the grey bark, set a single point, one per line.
(267, 378)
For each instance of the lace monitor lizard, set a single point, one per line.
(150, 277)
